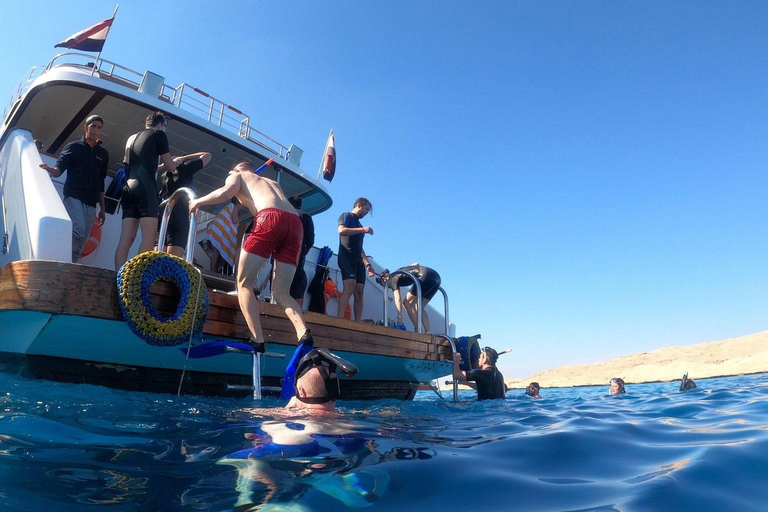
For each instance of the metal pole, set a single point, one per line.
(168, 204)
(445, 301)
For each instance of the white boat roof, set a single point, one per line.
(53, 102)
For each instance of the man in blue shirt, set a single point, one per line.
(87, 162)
(353, 262)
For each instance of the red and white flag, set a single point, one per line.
(88, 40)
(329, 158)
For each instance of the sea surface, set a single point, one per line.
(66, 447)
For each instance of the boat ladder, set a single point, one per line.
(221, 347)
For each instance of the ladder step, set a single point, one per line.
(247, 387)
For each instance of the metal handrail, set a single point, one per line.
(419, 327)
(453, 351)
(211, 108)
(169, 204)
(445, 301)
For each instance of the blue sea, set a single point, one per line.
(66, 447)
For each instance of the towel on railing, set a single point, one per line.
(222, 233)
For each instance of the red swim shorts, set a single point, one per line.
(276, 232)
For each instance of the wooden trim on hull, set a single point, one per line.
(72, 289)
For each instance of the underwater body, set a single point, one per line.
(70, 447)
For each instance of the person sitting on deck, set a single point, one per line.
(277, 232)
(617, 386)
(487, 380)
(532, 390)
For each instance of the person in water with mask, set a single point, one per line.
(617, 386)
(532, 390)
(316, 383)
(487, 380)
(687, 383)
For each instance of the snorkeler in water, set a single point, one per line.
(317, 384)
(687, 383)
(617, 386)
(532, 390)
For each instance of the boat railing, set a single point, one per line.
(419, 327)
(169, 204)
(185, 97)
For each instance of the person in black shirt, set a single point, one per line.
(352, 259)
(299, 284)
(487, 380)
(87, 162)
(140, 196)
(170, 182)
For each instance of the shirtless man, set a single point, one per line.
(277, 231)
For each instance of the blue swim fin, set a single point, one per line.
(290, 372)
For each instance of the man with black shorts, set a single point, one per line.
(139, 198)
(353, 262)
(277, 232)
(487, 380)
(87, 162)
(170, 182)
(429, 280)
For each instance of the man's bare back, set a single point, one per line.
(257, 193)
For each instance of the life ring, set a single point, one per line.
(94, 239)
(134, 280)
(469, 349)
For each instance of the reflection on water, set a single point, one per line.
(73, 447)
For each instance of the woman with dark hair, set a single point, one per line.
(617, 386)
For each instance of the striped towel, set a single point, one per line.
(222, 234)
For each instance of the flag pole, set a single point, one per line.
(98, 56)
(322, 160)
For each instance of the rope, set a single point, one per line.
(191, 330)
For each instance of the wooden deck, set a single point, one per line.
(72, 289)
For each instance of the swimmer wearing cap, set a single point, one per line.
(617, 386)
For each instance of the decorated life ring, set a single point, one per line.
(134, 280)
(469, 348)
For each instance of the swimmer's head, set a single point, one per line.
(617, 386)
(243, 164)
(312, 383)
(490, 355)
(157, 120)
(532, 389)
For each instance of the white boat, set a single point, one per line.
(61, 321)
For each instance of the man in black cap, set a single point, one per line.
(487, 379)
(87, 162)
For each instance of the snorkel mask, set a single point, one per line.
(322, 357)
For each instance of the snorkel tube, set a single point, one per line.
(264, 165)
(323, 357)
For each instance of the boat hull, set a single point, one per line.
(62, 321)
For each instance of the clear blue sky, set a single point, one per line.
(587, 177)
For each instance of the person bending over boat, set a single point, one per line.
(87, 162)
(277, 232)
(353, 262)
(617, 386)
(139, 198)
(487, 380)
(171, 181)
(429, 280)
